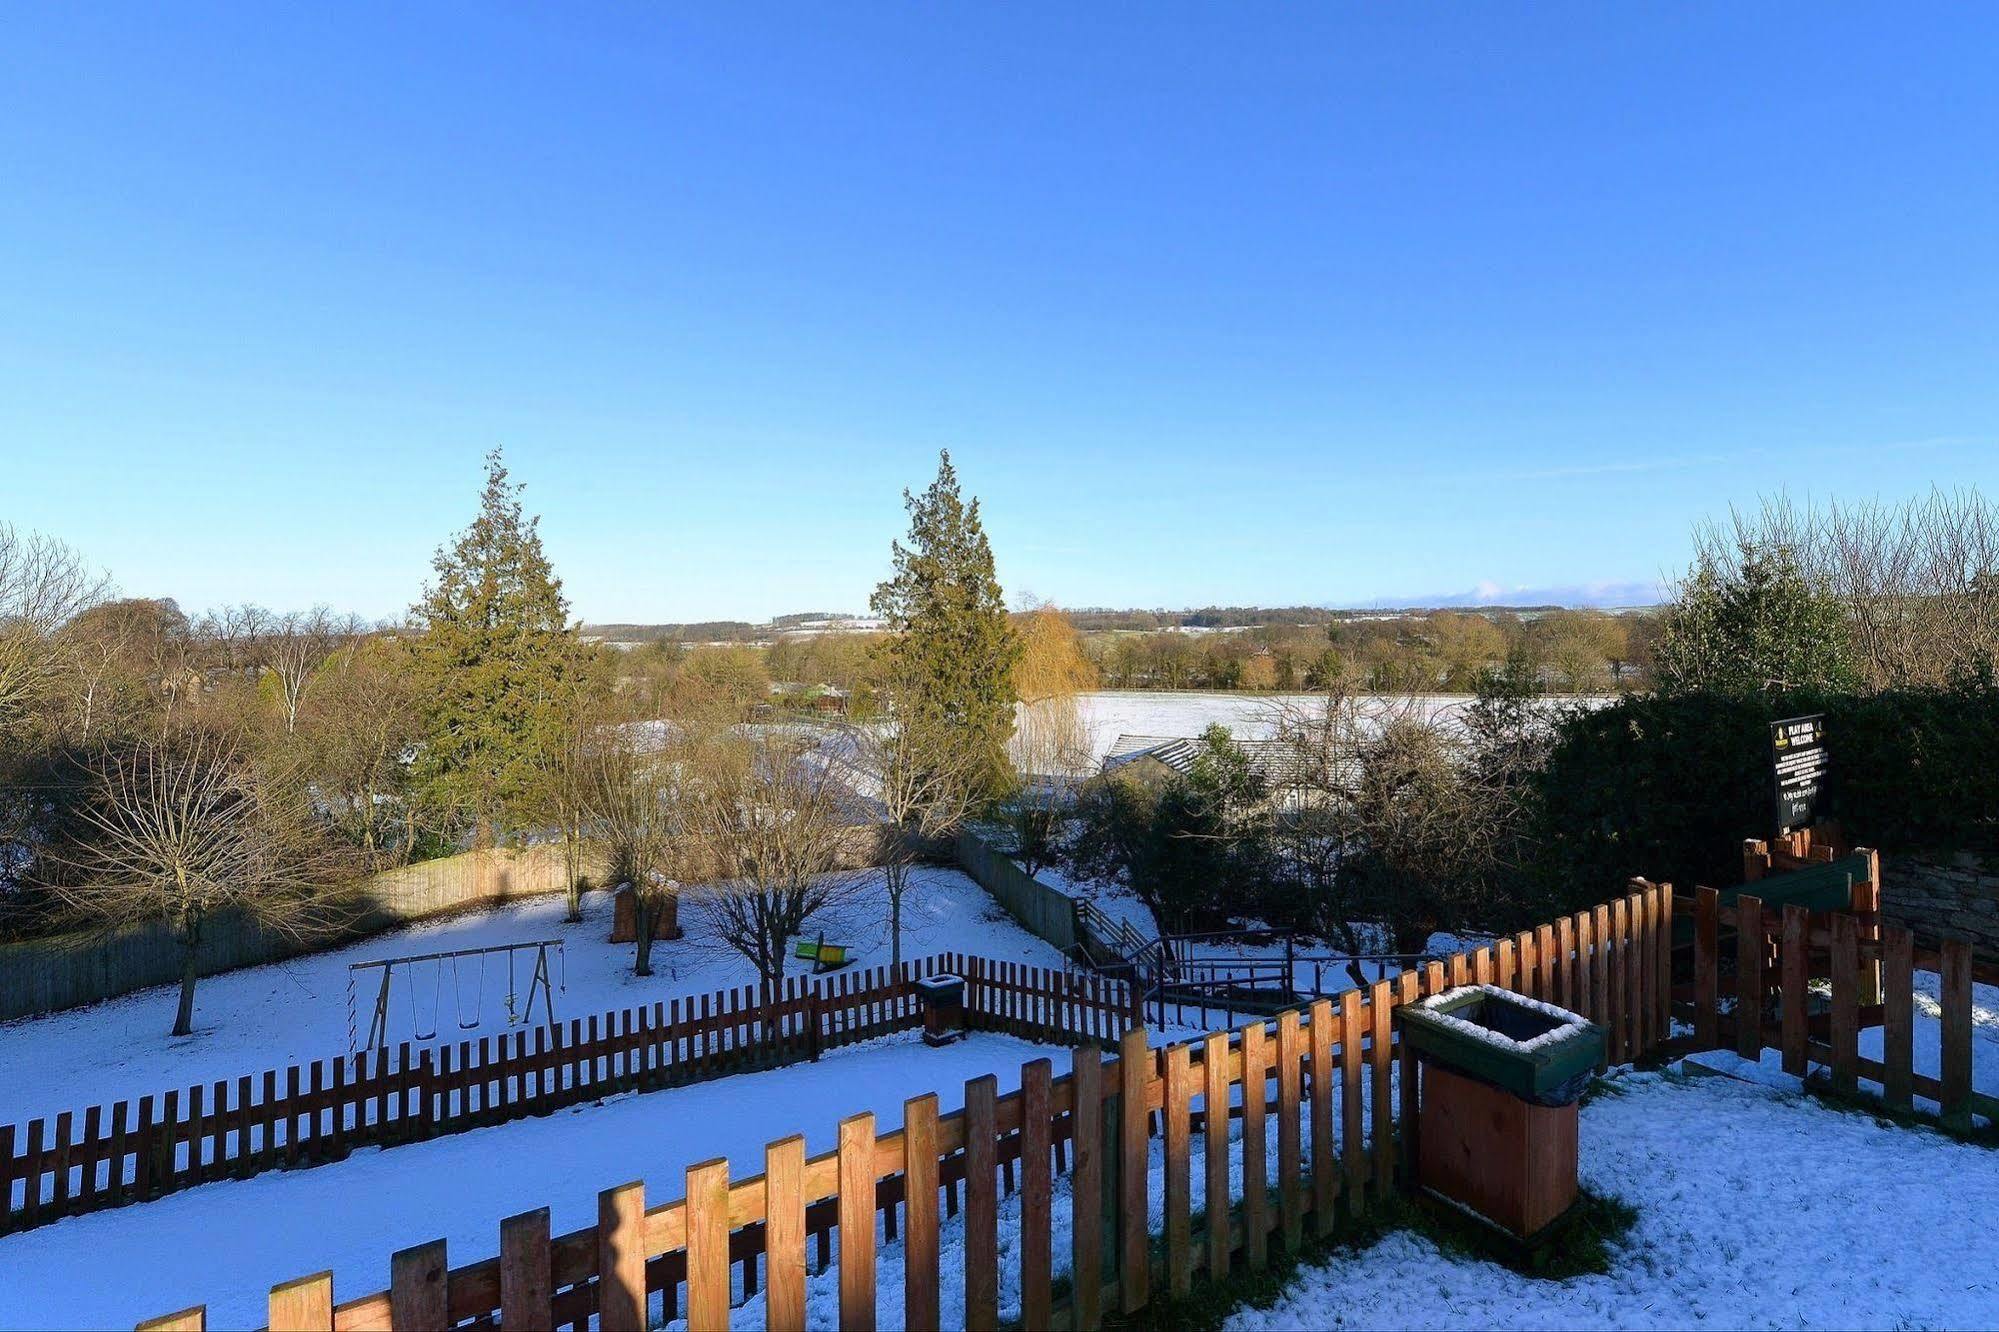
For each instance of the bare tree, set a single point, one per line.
(777, 823)
(357, 730)
(638, 797)
(186, 828)
(1401, 828)
(922, 787)
(294, 647)
(43, 585)
(1918, 581)
(1052, 756)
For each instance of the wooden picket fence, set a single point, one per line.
(1752, 989)
(1333, 1121)
(149, 1146)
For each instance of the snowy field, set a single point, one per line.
(297, 1011)
(1755, 1209)
(225, 1244)
(1108, 714)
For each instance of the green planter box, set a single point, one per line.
(1540, 1053)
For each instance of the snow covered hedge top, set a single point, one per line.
(1438, 1006)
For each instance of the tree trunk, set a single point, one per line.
(572, 859)
(184, 1019)
(897, 879)
(642, 927)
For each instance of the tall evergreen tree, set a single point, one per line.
(952, 648)
(496, 658)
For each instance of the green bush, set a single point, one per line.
(1668, 787)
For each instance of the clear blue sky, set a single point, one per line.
(1211, 303)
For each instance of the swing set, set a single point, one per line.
(542, 980)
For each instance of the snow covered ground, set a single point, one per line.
(225, 1244)
(1926, 1045)
(1755, 1209)
(1107, 714)
(297, 1011)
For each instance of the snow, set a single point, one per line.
(295, 1012)
(1107, 714)
(225, 1244)
(1436, 1006)
(1755, 1209)
(1926, 1046)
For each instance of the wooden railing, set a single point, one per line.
(1752, 989)
(142, 1148)
(1333, 1118)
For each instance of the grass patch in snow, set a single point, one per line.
(1208, 1305)
(1587, 1244)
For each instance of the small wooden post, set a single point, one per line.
(419, 1286)
(1179, 1171)
(1255, 1158)
(1087, 1187)
(187, 1320)
(1353, 1149)
(981, 1204)
(1898, 1016)
(1036, 1195)
(526, 1286)
(1325, 1177)
(1290, 1163)
(1749, 977)
(1134, 1069)
(1956, 999)
(708, 1246)
(858, 1181)
(919, 1211)
(1216, 1096)
(1381, 1106)
(1845, 1002)
(621, 1258)
(303, 1304)
(1795, 995)
(1707, 952)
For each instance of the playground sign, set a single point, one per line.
(1798, 765)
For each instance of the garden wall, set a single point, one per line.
(1956, 897)
(64, 971)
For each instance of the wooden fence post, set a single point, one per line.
(1955, 994)
(1134, 1071)
(784, 1234)
(1749, 977)
(419, 1286)
(708, 1246)
(1898, 1017)
(526, 1286)
(1707, 948)
(1845, 1002)
(621, 1258)
(982, 1258)
(1036, 1196)
(303, 1304)
(858, 1180)
(1086, 1084)
(1794, 963)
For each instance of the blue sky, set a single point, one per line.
(1211, 303)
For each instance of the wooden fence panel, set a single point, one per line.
(1036, 1195)
(1173, 1112)
(1898, 1019)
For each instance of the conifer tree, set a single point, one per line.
(952, 648)
(495, 657)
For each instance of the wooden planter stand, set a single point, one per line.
(1511, 1162)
